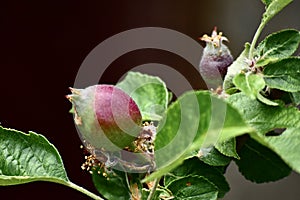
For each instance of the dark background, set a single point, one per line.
(43, 44)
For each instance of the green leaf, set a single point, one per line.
(196, 120)
(265, 118)
(295, 97)
(274, 7)
(284, 74)
(240, 64)
(213, 157)
(277, 46)
(112, 185)
(266, 101)
(250, 84)
(260, 164)
(286, 145)
(267, 2)
(194, 188)
(28, 157)
(194, 166)
(149, 92)
(228, 148)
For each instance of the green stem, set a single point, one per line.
(82, 190)
(166, 189)
(152, 192)
(255, 38)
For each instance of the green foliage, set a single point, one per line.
(195, 167)
(285, 145)
(193, 187)
(228, 148)
(28, 157)
(260, 164)
(265, 118)
(240, 64)
(112, 185)
(250, 84)
(273, 7)
(194, 119)
(196, 138)
(267, 2)
(295, 97)
(213, 157)
(277, 46)
(284, 74)
(149, 92)
(280, 71)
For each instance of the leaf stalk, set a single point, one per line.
(152, 192)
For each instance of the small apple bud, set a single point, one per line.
(106, 117)
(215, 59)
